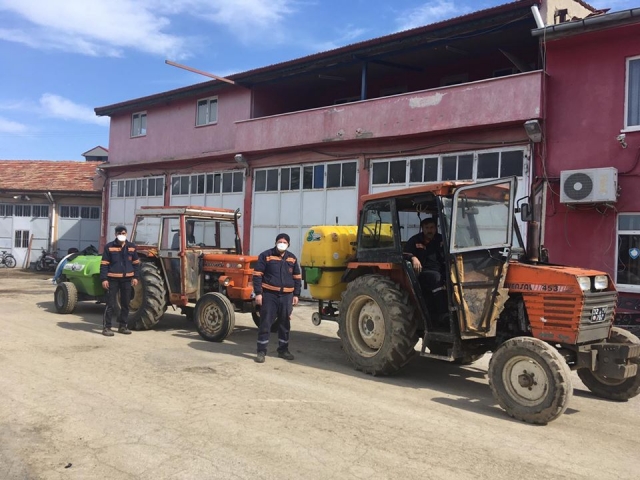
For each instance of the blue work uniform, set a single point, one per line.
(120, 264)
(278, 279)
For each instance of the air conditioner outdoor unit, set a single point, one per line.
(590, 185)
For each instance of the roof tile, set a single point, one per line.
(47, 176)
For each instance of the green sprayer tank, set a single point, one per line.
(84, 272)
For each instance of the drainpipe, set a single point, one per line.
(537, 16)
(52, 221)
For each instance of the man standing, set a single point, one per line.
(427, 258)
(119, 271)
(276, 283)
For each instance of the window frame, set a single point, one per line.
(139, 133)
(624, 287)
(627, 127)
(208, 120)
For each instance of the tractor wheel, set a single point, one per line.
(375, 325)
(65, 297)
(255, 315)
(148, 299)
(610, 388)
(530, 380)
(214, 316)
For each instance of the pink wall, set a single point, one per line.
(585, 113)
(171, 130)
(492, 102)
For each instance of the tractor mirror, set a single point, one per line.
(526, 215)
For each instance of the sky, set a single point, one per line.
(59, 59)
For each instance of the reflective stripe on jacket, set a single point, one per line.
(277, 273)
(119, 261)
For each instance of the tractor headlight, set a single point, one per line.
(226, 282)
(585, 283)
(601, 282)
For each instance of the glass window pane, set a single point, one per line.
(449, 168)
(121, 188)
(95, 212)
(628, 268)
(488, 165)
(238, 181)
(184, 185)
(511, 163)
(318, 176)
(213, 111)
(152, 187)
(398, 171)
(135, 125)
(217, 181)
(307, 180)
(349, 173)
(143, 124)
(431, 169)
(175, 185)
(333, 175)
(272, 180)
(261, 180)
(194, 184)
(202, 112)
(629, 222)
(84, 212)
(465, 167)
(227, 182)
(200, 183)
(75, 212)
(380, 173)
(415, 170)
(285, 175)
(209, 186)
(295, 178)
(633, 93)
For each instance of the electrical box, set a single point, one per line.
(590, 185)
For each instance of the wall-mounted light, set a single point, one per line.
(241, 160)
(534, 131)
(622, 140)
(24, 198)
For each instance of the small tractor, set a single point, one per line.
(539, 320)
(191, 258)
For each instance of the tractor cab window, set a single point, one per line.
(147, 231)
(377, 226)
(482, 217)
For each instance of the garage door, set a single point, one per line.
(78, 227)
(293, 199)
(128, 195)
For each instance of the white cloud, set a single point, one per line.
(110, 27)
(430, 12)
(60, 107)
(9, 126)
(350, 34)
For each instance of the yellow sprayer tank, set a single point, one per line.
(326, 250)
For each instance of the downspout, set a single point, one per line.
(52, 221)
(537, 16)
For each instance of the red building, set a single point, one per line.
(592, 129)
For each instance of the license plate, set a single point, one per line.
(598, 314)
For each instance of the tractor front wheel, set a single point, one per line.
(611, 388)
(214, 316)
(375, 325)
(65, 297)
(530, 380)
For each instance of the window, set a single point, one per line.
(632, 117)
(341, 174)
(92, 213)
(6, 210)
(140, 187)
(67, 211)
(464, 166)
(207, 111)
(290, 178)
(313, 177)
(207, 183)
(40, 211)
(139, 124)
(22, 211)
(629, 251)
(21, 239)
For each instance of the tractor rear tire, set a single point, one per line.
(530, 380)
(148, 301)
(376, 325)
(65, 297)
(609, 388)
(214, 316)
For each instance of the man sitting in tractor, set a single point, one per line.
(191, 239)
(425, 252)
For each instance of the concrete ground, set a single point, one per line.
(165, 404)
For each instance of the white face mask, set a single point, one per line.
(121, 238)
(281, 246)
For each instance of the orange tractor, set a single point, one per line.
(539, 320)
(192, 259)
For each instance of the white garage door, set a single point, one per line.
(78, 227)
(397, 173)
(128, 195)
(293, 199)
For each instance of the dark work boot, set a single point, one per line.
(286, 354)
(123, 329)
(260, 357)
(107, 332)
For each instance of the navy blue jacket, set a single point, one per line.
(277, 273)
(119, 261)
(430, 254)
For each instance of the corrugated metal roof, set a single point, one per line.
(47, 176)
(371, 46)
